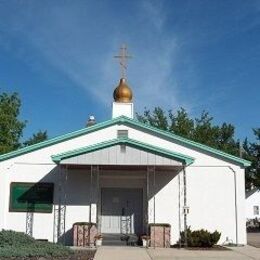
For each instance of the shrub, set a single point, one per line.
(200, 238)
(18, 244)
(12, 238)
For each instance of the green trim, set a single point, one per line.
(132, 123)
(190, 143)
(126, 141)
(58, 139)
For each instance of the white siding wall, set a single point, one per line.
(165, 196)
(211, 197)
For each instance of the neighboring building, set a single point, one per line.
(253, 204)
(122, 175)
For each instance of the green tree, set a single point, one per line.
(40, 136)
(201, 129)
(181, 124)
(156, 118)
(11, 127)
(226, 140)
(205, 132)
(252, 153)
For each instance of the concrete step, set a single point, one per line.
(119, 240)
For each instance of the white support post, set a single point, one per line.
(59, 228)
(93, 204)
(29, 223)
(98, 208)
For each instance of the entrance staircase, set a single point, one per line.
(120, 240)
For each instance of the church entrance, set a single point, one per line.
(121, 211)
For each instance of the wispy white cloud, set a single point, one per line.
(79, 39)
(153, 11)
(63, 38)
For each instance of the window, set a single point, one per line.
(31, 197)
(122, 133)
(256, 210)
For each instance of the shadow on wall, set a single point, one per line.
(160, 179)
(76, 186)
(67, 238)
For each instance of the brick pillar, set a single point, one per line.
(160, 235)
(84, 233)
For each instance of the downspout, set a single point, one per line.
(154, 205)
(185, 204)
(179, 183)
(235, 187)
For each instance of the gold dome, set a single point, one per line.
(122, 92)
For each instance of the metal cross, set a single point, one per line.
(123, 56)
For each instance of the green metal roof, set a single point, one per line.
(126, 141)
(135, 124)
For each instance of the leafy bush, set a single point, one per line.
(12, 238)
(18, 244)
(200, 238)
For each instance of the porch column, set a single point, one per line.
(60, 211)
(94, 194)
(29, 223)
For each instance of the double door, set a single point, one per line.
(121, 211)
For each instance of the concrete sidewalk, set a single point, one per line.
(253, 239)
(121, 253)
(249, 251)
(137, 253)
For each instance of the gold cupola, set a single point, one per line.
(123, 93)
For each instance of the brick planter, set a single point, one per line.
(84, 233)
(160, 235)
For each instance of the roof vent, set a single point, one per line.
(91, 121)
(122, 133)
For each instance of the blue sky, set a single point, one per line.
(201, 55)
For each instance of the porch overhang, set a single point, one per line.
(114, 152)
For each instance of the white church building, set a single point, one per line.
(122, 175)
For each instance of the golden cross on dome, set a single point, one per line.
(123, 56)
